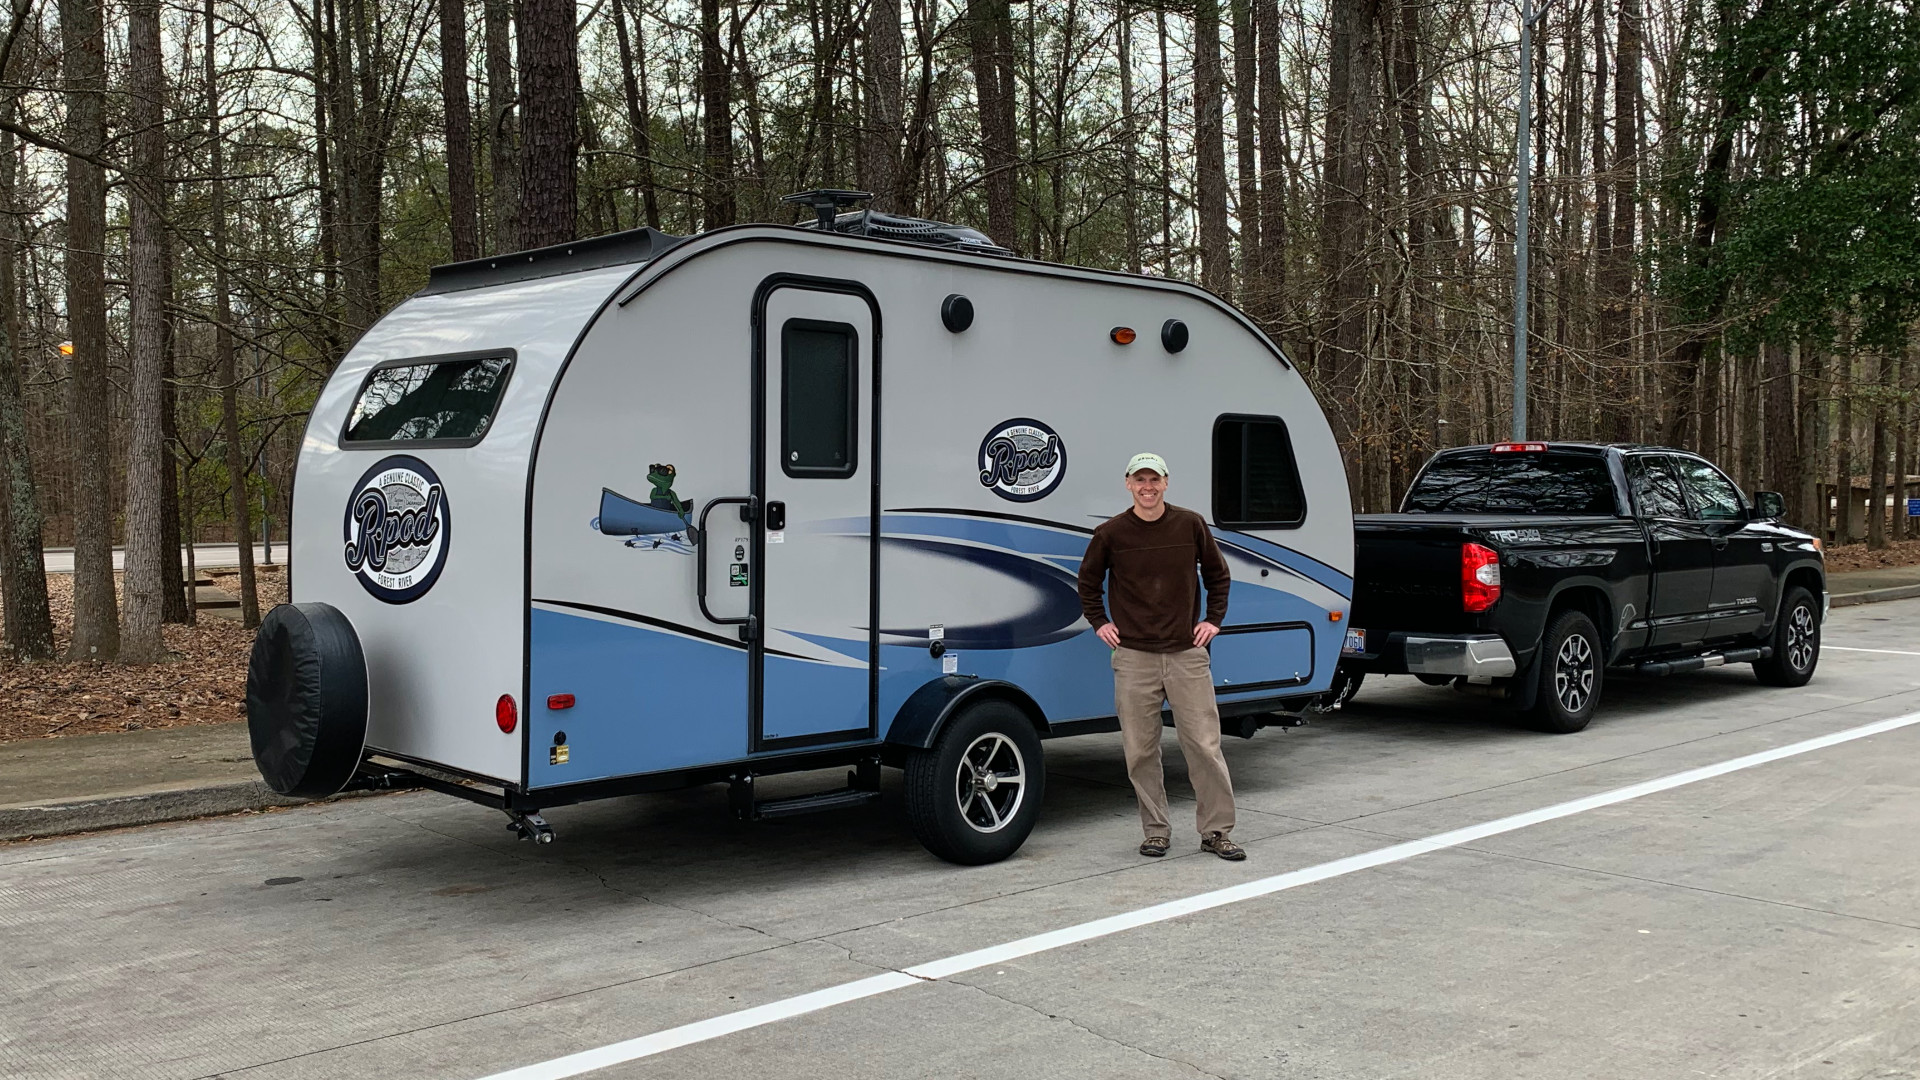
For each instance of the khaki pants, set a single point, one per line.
(1141, 681)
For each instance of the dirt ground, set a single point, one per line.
(204, 684)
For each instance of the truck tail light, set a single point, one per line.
(1479, 577)
(1519, 447)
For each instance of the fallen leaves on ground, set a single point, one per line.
(1860, 557)
(205, 683)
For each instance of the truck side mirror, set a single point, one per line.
(1769, 504)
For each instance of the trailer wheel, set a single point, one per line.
(307, 700)
(1795, 641)
(1570, 667)
(973, 796)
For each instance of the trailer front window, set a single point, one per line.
(444, 401)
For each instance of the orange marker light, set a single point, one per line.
(1122, 335)
(1336, 616)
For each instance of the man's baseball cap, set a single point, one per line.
(1147, 461)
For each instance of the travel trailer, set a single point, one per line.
(644, 511)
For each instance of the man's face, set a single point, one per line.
(1147, 488)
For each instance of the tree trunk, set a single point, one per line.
(23, 574)
(633, 61)
(462, 203)
(1350, 82)
(1269, 303)
(549, 122)
(147, 540)
(225, 367)
(96, 625)
(1210, 157)
(990, 38)
(503, 135)
(1129, 137)
(1877, 464)
(716, 97)
(1845, 511)
(1166, 145)
(1783, 443)
(1244, 82)
(1903, 445)
(886, 108)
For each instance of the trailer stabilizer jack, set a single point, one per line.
(529, 825)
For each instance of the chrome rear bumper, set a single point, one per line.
(1476, 657)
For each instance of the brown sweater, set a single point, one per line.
(1155, 597)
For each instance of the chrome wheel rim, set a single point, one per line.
(991, 783)
(1573, 672)
(1800, 638)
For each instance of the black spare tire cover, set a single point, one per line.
(307, 700)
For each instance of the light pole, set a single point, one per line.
(1524, 173)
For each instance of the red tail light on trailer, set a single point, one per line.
(1519, 447)
(1479, 577)
(506, 714)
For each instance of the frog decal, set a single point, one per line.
(665, 520)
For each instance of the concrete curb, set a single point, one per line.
(1874, 596)
(141, 808)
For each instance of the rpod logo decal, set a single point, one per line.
(398, 529)
(1022, 460)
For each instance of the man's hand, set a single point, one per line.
(1109, 634)
(1204, 633)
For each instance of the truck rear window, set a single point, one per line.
(1486, 483)
(446, 401)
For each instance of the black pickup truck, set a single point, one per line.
(1523, 571)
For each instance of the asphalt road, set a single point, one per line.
(60, 560)
(1760, 923)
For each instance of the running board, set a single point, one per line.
(1695, 663)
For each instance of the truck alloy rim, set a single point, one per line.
(1573, 673)
(1800, 638)
(991, 782)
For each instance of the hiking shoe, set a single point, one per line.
(1223, 847)
(1155, 846)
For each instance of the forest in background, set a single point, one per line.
(202, 206)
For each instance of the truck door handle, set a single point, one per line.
(1719, 543)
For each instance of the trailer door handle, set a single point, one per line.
(747, 504)
(776, 516)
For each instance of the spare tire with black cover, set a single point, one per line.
(307, 700)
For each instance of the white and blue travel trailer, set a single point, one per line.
(642, 512)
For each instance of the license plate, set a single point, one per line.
(1356, 643)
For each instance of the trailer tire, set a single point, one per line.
(1570, 667)
(1795, 641)
(307, 700)
(960, 802)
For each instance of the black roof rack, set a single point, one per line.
(827, 202)
(613, 249)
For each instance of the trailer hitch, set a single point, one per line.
(529, 825)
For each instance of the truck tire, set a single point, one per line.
(1795, 641)
(1570, 667)
(307, 700)
(974, 795)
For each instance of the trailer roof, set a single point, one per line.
(613, 249)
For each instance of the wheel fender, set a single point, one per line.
(927, 710)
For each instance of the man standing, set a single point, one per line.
(1159, 642)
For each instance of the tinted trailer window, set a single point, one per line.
(1514, 483)
(437, 402)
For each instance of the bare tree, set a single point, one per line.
(633, 74)
(549, 122)
(462, 203)
(147, 453)
(503, 135)
(990, 35)
(23, 575)
(885, 131)
(225, 366)
(96, 625)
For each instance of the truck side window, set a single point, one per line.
(1655, 490)
(1255, 481)
(1713, 496)
(819, 409)
(446, 401)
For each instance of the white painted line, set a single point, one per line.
(1888, 652)
(704, 1030)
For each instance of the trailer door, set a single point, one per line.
(817, 477)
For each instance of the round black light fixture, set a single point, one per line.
(1173, 335)
(956, 313)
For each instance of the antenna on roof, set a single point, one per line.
(826, 203)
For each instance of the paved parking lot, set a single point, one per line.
(1761, 923)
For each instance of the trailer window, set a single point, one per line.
(445, 402)
(1514, 483)
(818, 384)
(1256, 484)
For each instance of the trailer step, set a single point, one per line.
(1696, 663)
(768, 809)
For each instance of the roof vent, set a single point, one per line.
(827, 204)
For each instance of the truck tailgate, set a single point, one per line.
(1406, 573)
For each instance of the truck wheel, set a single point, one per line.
(1570, 667)
(1795, 641)
(973, 796)
(307, 700)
